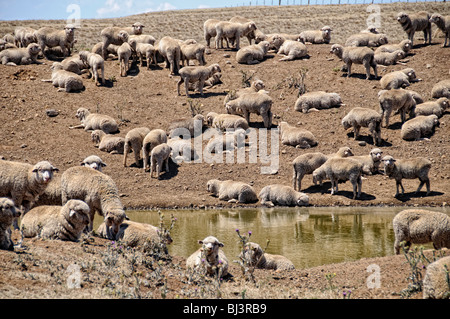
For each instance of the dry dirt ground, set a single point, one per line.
(149, 98)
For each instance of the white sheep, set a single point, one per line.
(95, 121)
(366, 39)
(419, 127)
(124, 52)
(65, 81)
(8, 213)
(111, 35)
(292, 50)
(160, 155)
(408, 169)
(254, 255)
(404, 45)
(170, 50)
(110, 50)
(255, 86)
(317, 100)
(251, 35)
(209, 31)
(73, 64)
(23, 36)
(232, 191)
(443, 23)
(435, 281)
(252, 54)
(396, 100)
(148, 51)
(49, 37)
(194, 74)
(191, 50)
(398, 79)
(357, 55)
(20, 56)
(108, 142)
(436, 107)
(364, 117)
(232, 30)
(295, 136)
(151, 140)
(182, 150)
(134, 140)
(226, 122)
(441, 89)
(95, 162)
(187, 127)
(134, 234)
(95, 62)
(227, 142)
(389, 58)
(142, 38)
(316, 36)
(57, 222)
(210, 257)
(259, 103)
(416, 22)
(371, 162)
(281, 195)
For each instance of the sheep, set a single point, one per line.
(389, 58)
(20, 56)
(292, 50)
(254, 255)
(73, 64)
(193, 74)
(148, 51)
(437, 107)
(98, 191)
(255, 86)
(209, 31)
(124, 52)
(409, 169)
(134, 234)
(441, 89)
(95, 62)
(443, 23)
(57, 222)
(111, 35)
(366, 39)
(340, 169)
(251, 35)
(370, 162)
(170, 50)
(295, 136)
(307, 163)
(95, 162)
(160, 155)
(23, 36)
(192, 51)
(420, 226)
(252, 54)
(193, 126)
(6, 45)
(134, 140)
(416, 22)
(65, 81)
(398, 79)
(95, 121)
(358, 55)
(210, 256)
(9, 38)
(226, 122)
(370, 30)
(435, 282)
(281, 195)
(364, 117)
(259, 103)
(111, 49)
(107, 142)
(317, 100)
(232, 30)
(152, 139)
(226, 142)
(142, 38)
(316, 36)
(423, 125)
(8, 213)
(49, 37)
(276, 39)
(182, 150)
(232, 191)
(404, 45)
(396, 100)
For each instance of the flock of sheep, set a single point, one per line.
(63, 207)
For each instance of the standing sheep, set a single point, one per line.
(23, 36)
(95, 121)
(437, 107)
(292, 50)
(148, 51)
(370, 162)
(366, 40)
(8, 213)
(134, 140)
(192, 51)
(441, 89)
(193, 74)
(210, 256)
(252, 54)
(259, 103)
(160, 157)
(316, 36)
(49, 37)
(295, 136)
(170, 50)
(281, 195)
(256, 257)
(364, 117)
(66, 81)
(317, 100)
(111, 35)
(436, 282)
(396, 100)
(418, 127)
(20, 56)
(232, 191)
(209, 31)
(416, 22)
(182, 150)
(190, 126)
(443, 23)
(398, 79)
(255, 86)
(124, 52)
(95, 62)
(107, 142)
(251, 35)
(151, 140)
(232, 30)
(358, 55)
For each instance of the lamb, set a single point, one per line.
(226, 122)
(20, 56)
(317, 100)
(49, 37)
(370, 162)
(192, 51)
(292, 50)
(316, 36)
(397, 79)
(366, 39)
(182, 150)
(232, 30)
(142, 38)
(416, 22)
(435, 282)
(307, 163)
(72, 64)
(124, 52)
(134, 234)
(252, 54)
(57, 222)
(107, 142)
(259, 103)
(420, 226)
(23, 36)
(6, 45)
(257, 258)
(8, 213)
(295, 136)
(170, 50)
(152, 139)
(191, 127)
(416, 128)
(443, 23)
(251, 35)
(255, 86)
(364, 117)
(358, 55)
(210, 256)
(148, 51)
(232, 191)
(409, 169)
(134, 140)
(389, 58)
(95, 162)
(396, 100)
(111, 35)
(65, 81)
(340, 169)
(404, 46)
(226, 142)
(110, 50)
(98, 191)
(441, 89)
(437, 107)
(209, 31)
(95, 62)
(160, 156)
(281, 195)
(95, 121)
(193, 74)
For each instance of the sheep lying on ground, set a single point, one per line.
(193, 74)
(134, 140)
(64, 80)
(252, 54)
(170, 50)
(295, 136)
(151, 140)
(23, 36)
(366, 40)
(399, 100)
(95, 121)
(317, 100)
(443, 23)
(397, 79)
(364, 117)
(95, 62)
(357, 55)
(49, 37)
(259, 103)
(57, 222)
(73, 64)
(389, 58)
(316, 36)
(435, 282)
(416, 22)
(111, 35)
(160, 157)
(370, 162)
(20, 56)
(257, 258)
(404, 46)
(225, 122)
(307, 163)
(409, 169)
(191, 126)
(437, 107)
(8, 213)
(227, 142)
(419, 127)
(441, 89)
(182, 150)
(232, 191)
(6, 45)
(281, 195)
(232, 30)
(210, 257)
(292, 50)
(107, 142)
(420, 226)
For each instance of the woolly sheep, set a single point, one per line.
(6, 45)
(95, 162)
(397, 79)
(182, 150)
(57, 222)
(255, 86)
(257, 258)
(9, 38)
(192, 51)
(95, 62)
(437, 107)
(152, 139)
(276, 39)
(65, 81)
(134, 234)
(251, 35)
(441, 89)
(49, 37)
(252, 54)
(170, 50)
(418, 127)
(226, 142)
(23, 36)
(420, 226)
(316, 36)
(95, 121)
(8, 213)
(370, 162)
(187, 126)
(193, 74)
(396, 100)
(142, 38)
(295, 136)
(416, 22)
(148, 51)
(231, 191)
(124, 52)
(210, 256)
(20, 56)
(364, 117)
(259, 103)
(134, 140)
(110, 50)
(209, 31)
(232, 30)
(225, 122)
(292, 50)
(160, 155)
(389, 58)
(443, 23)
(357, 55)
(111, 35)
(107, 142)
(281, 195)
(366, 40)
(73, 64)
(307, 163)
(404, 46)
(409, 169)
(317, 100)
(435, 282)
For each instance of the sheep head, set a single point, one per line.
(82, 113)
(33, 49)
(326, 32)
(337, 49)
(253, 253)
(376, 154)
(389, 164)
(43, 172)
(210, 246)
(8, 211)
(138, 28)
(78, 211)
(94, 162)
(402, 17)
(302, 200)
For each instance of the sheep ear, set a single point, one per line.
(72, 213)
(103, 164)
(200, 241)
(55, 169)
(221, 244)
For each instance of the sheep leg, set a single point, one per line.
(186, 87)
(349, 69)
(356, 131)
(201, 84)
(387, 114)
(179, 84)
(167, 165)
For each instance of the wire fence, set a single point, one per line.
(325, 2)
